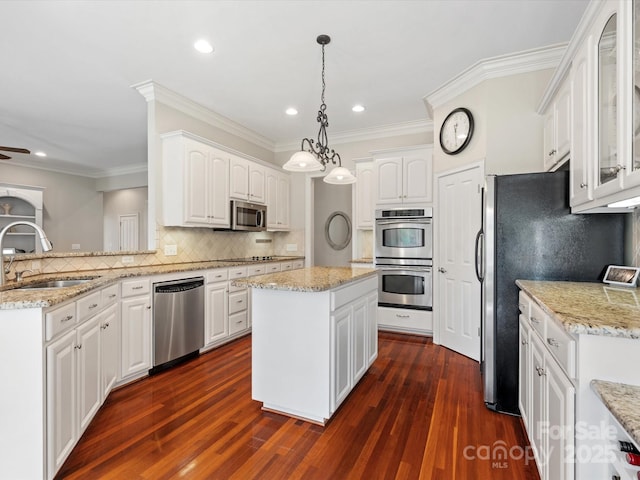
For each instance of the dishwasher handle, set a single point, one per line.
(179, 286)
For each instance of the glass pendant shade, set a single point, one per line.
(340, 176)
(303, 161)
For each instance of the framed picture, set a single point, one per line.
(623, 276)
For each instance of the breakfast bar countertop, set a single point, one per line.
(588, 308)
(13, 298)
(311, 279)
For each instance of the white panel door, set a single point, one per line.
(416, 177)
(89, 371)
(219, 212)
(129, 232)
(110, 347)
(459, 220)
(389, 180)
(195, 184)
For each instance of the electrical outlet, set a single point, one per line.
(127, 259)
(170, 250)
(75, 246)
(292, 247)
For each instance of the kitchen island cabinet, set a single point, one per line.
(314, 337)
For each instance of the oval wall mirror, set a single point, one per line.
(337, 230)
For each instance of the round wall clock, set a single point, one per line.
(456, 131)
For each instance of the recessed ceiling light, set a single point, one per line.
(357, 108)
(203, 46)
(40, 154)
(291, 111)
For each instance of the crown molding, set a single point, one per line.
(495, 67)
(365, 134)
(153, 91)
(80, 170)
(128, 170)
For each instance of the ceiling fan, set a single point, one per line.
(12, 149)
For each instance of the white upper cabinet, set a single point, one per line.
(195, 180)
(404, 176)
(277, 196)
(557, 129)
(601, 63)
(365, 195)
(247, 180)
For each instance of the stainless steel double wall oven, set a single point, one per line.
(404, 257)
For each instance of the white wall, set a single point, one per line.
(72, 212)
(123, 202)
(328, 199)
(508, 131)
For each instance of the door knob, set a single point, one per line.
(442, 270)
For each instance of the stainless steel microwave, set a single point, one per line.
(249, 217)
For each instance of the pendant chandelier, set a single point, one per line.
(315, 155)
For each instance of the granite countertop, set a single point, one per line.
(362, 260)
(12, 299)
(623, 401)
(312, 279)
(588, 308)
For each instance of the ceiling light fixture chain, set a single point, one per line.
(315, 155)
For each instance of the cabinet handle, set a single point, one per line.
(78, 347)
(105, 326)
(552, 152)
(540, 371)
(137, 288)
(113, 295)
(67, 318)
(239, 301)
(92, 306)
(401, 316)
(239, 322)
(534, 319)
(583, 185)
(553, 342)
(442, 270)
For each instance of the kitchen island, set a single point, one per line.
(314, 335)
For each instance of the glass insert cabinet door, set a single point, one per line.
(607, 102)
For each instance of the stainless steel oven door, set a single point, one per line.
(405, 287)
(404, 238)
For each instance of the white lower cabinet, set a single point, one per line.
(62, 387)
(136, 328)
(342, 378)
(216, 325)
(109, 347)
(81, 369)
(547, 395)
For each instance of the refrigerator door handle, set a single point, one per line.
(479, 252)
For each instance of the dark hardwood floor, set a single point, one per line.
(417, 413)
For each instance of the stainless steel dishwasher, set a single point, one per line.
(178, 320)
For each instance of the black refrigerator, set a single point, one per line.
(529, 233)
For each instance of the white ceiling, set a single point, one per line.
(68, 66)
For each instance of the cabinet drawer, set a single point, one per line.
(131, 288)
(88, 306)
(109, 295)
(272, 267)
(256, 270)
(237, 302)
(538, 319)
(237, 272)
(237, 322)
(298, 264)
(220, 275)
(524, 303)
(284, 266)
(59, 320)
(562, 346)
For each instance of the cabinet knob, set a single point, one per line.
(583, 185)
(553, 342)
(148, 307)
(534, 319)
(552, 152)
(540, 371)
(524, 342)
(442, 270)
(78, 347)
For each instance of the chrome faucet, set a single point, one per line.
(44, 241)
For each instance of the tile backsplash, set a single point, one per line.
(192, 245)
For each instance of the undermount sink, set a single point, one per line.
(55, 284)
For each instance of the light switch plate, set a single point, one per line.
(170, 250)
(127, 259)
(75, 246)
